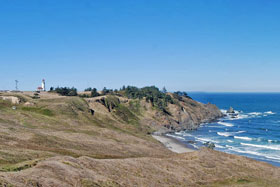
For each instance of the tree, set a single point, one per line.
(51, 89)
(94, 93)
(88, 89)
(164, 90)
(66, 91)
(73, 92)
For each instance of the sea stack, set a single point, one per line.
(231, 110)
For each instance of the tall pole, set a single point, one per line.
(16, 85)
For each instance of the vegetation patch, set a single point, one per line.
(90, 183)
(134, 106)
(65, 91)
(43, 111)
(19, 166)
(5, 103)
(125, 114)
(79, 104)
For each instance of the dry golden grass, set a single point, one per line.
(55, 141)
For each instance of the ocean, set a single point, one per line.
(254, 133)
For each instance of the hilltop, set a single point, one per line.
(106, 140)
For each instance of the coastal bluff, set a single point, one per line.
(107, 140)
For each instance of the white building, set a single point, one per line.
(43, 85)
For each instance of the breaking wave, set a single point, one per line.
(243, 138)
(225, 124)
(276, 147)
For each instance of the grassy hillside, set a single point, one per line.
(106, 141)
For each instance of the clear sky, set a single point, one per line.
(189, 45)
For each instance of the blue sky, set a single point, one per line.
(190, 45)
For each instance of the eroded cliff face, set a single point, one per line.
(187, 114)
(183, 114)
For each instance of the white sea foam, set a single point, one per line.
(276, 147)
(242, 116)
(226, 134)
(178, 133)
(269, 112)
(225, 124)
(203, 140)
(255, 113)
(219, 146)
(243, 138)
(195, 146)
(230, 141)
(274, 157)
(240, 132)
(239, 116)
(223, 111)
(186, 134)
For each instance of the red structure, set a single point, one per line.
(40, 88)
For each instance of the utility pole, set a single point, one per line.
(16, 85)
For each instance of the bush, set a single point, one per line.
(152, 94)
(65, 91)
(88, 89)
(94, 93)
(179, 95)
(209, 145)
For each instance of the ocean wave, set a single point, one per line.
(230, 141)
(225, 124)
(273, 141)
(204, 140)
(214, 126)
(255, 113)
(270, 112)
(178, 133)
(239, 116)
(242, 115)
(226, 134)
(223, 111)
(241, 132)
(275, 157)
(219, 146)
(276, 147)
(243, 138)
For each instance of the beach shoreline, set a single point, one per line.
(173, 144)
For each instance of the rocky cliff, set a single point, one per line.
(182, 114)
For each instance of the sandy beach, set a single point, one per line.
(173, 144)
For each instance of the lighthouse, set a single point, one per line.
(43, 85)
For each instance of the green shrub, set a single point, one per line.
(65, 91)
(42, 111)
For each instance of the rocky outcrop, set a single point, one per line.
(231, 110)
(12, 99)
(182, 114)
(187, 114)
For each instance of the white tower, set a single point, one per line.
(43, 85)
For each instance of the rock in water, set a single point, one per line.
(231, 110)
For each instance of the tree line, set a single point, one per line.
(158, 98)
